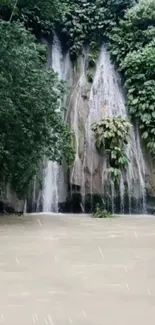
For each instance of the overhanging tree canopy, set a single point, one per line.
(31, 123)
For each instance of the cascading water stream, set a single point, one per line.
(54, 181)
(89, 172)
(107, 99)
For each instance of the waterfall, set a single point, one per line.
(107, 99)
(87, 103)
(54, 185)
(50, 193)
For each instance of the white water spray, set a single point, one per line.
(54, 177)
(107, 100)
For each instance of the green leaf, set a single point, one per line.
(145, 135)
(135, 101)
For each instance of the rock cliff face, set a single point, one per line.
(93, 93)
(9, 203)
(90, 101)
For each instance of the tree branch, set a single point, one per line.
(15, 5)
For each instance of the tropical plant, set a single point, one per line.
(101, 213)
(136, 30)
(113, 135)
(79, 22)
(140, 84)
(87, 20)
(132, 43)
(31, 124)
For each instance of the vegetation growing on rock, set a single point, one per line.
(132, 44)
(89, 21)
(101, 213)
(113, 135)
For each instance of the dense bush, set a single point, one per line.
(132, 44)
(38, 15)
(136, 30)
(79, 21)
(87, 21)
(31, 123)
(113, 135)
(140, 84)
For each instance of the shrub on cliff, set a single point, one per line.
(132, 43)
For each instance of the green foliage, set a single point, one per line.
(114, 173)
(113, 134)
(133, 46)
(41, 14)
(7, 8)
(48, 10)
(80, 22)
(38, 15)
(101, 213)
(140, 82)
(136, 30)
(31, 123)
(93, 54)
(5, 3)
(87, 20)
